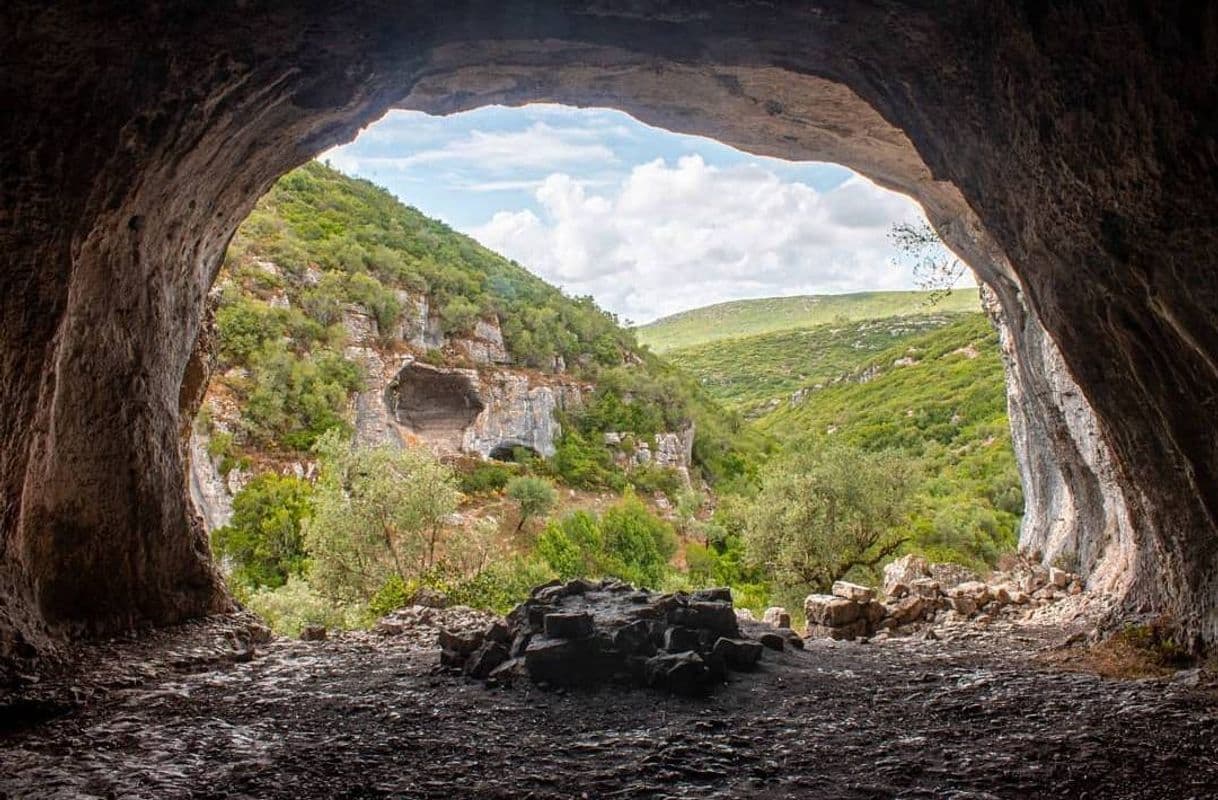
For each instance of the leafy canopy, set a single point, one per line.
(263, 542)
(825, 510)
(378, 512)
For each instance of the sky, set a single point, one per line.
(646, 221)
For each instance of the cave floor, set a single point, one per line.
(189, 714)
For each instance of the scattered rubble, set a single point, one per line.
(421, 624)
(918, 593)
(585, 633)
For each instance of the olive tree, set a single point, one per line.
(824, 510)
(378, 512)
(535, 497)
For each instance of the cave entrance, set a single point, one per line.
(435, 403)
(622, 243)
(1063, 219)
(513, 453)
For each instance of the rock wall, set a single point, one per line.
(208, 490)
(451, 409)
(455, 410)
(1075, 513)
(1072, 144)
(518, 413)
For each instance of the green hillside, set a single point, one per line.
(948, 410)
(751, 317)
(754, 374)
(320, 242)
(911, 392)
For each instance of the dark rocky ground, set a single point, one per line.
(195, 712)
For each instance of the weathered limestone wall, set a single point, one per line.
(1072, 144)
(455, 410)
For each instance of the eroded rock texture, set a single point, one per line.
(1066, 149)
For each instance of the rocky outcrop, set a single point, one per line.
(485, 344)
(519, 413)
(417, 325)
(1064, 149)
(673, 450)
(483, 412)
(452, 410)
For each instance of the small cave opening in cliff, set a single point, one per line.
(432, 402)
(513, 453)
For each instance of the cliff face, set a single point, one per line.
(485, 410)
(209, 491)
(1075, 514)
(1070, 145)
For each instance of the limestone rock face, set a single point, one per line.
(208, 489)
(517, 414)
(485, 345)
(486, 412)
(145, 134)
(418, 325)
(675, 450)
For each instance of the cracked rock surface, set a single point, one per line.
(373, 715)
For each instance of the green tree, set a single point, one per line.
(263, 542)
(638, 544)
(826, 509)
(534, 496)
(378, 512)
(573, 546)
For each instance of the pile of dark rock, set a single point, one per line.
(917, 594)
(584, 633)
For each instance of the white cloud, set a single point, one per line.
(540, 146)
(671, 237)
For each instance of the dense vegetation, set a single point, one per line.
(872, 435)
(752, 374)
(771, 314)
(343, 240)
(947, 411)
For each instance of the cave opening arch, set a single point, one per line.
(1074, 204)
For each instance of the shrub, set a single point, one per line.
(638, 544)
(573, 547)
(502, 585)
(581, 463)
(392, 595)
(263, 541)
(534, 496)
(485, 477)
(244, 326)
(289, 608)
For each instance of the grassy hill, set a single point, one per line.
(938, 396)
(767, 315)
(754, 374)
